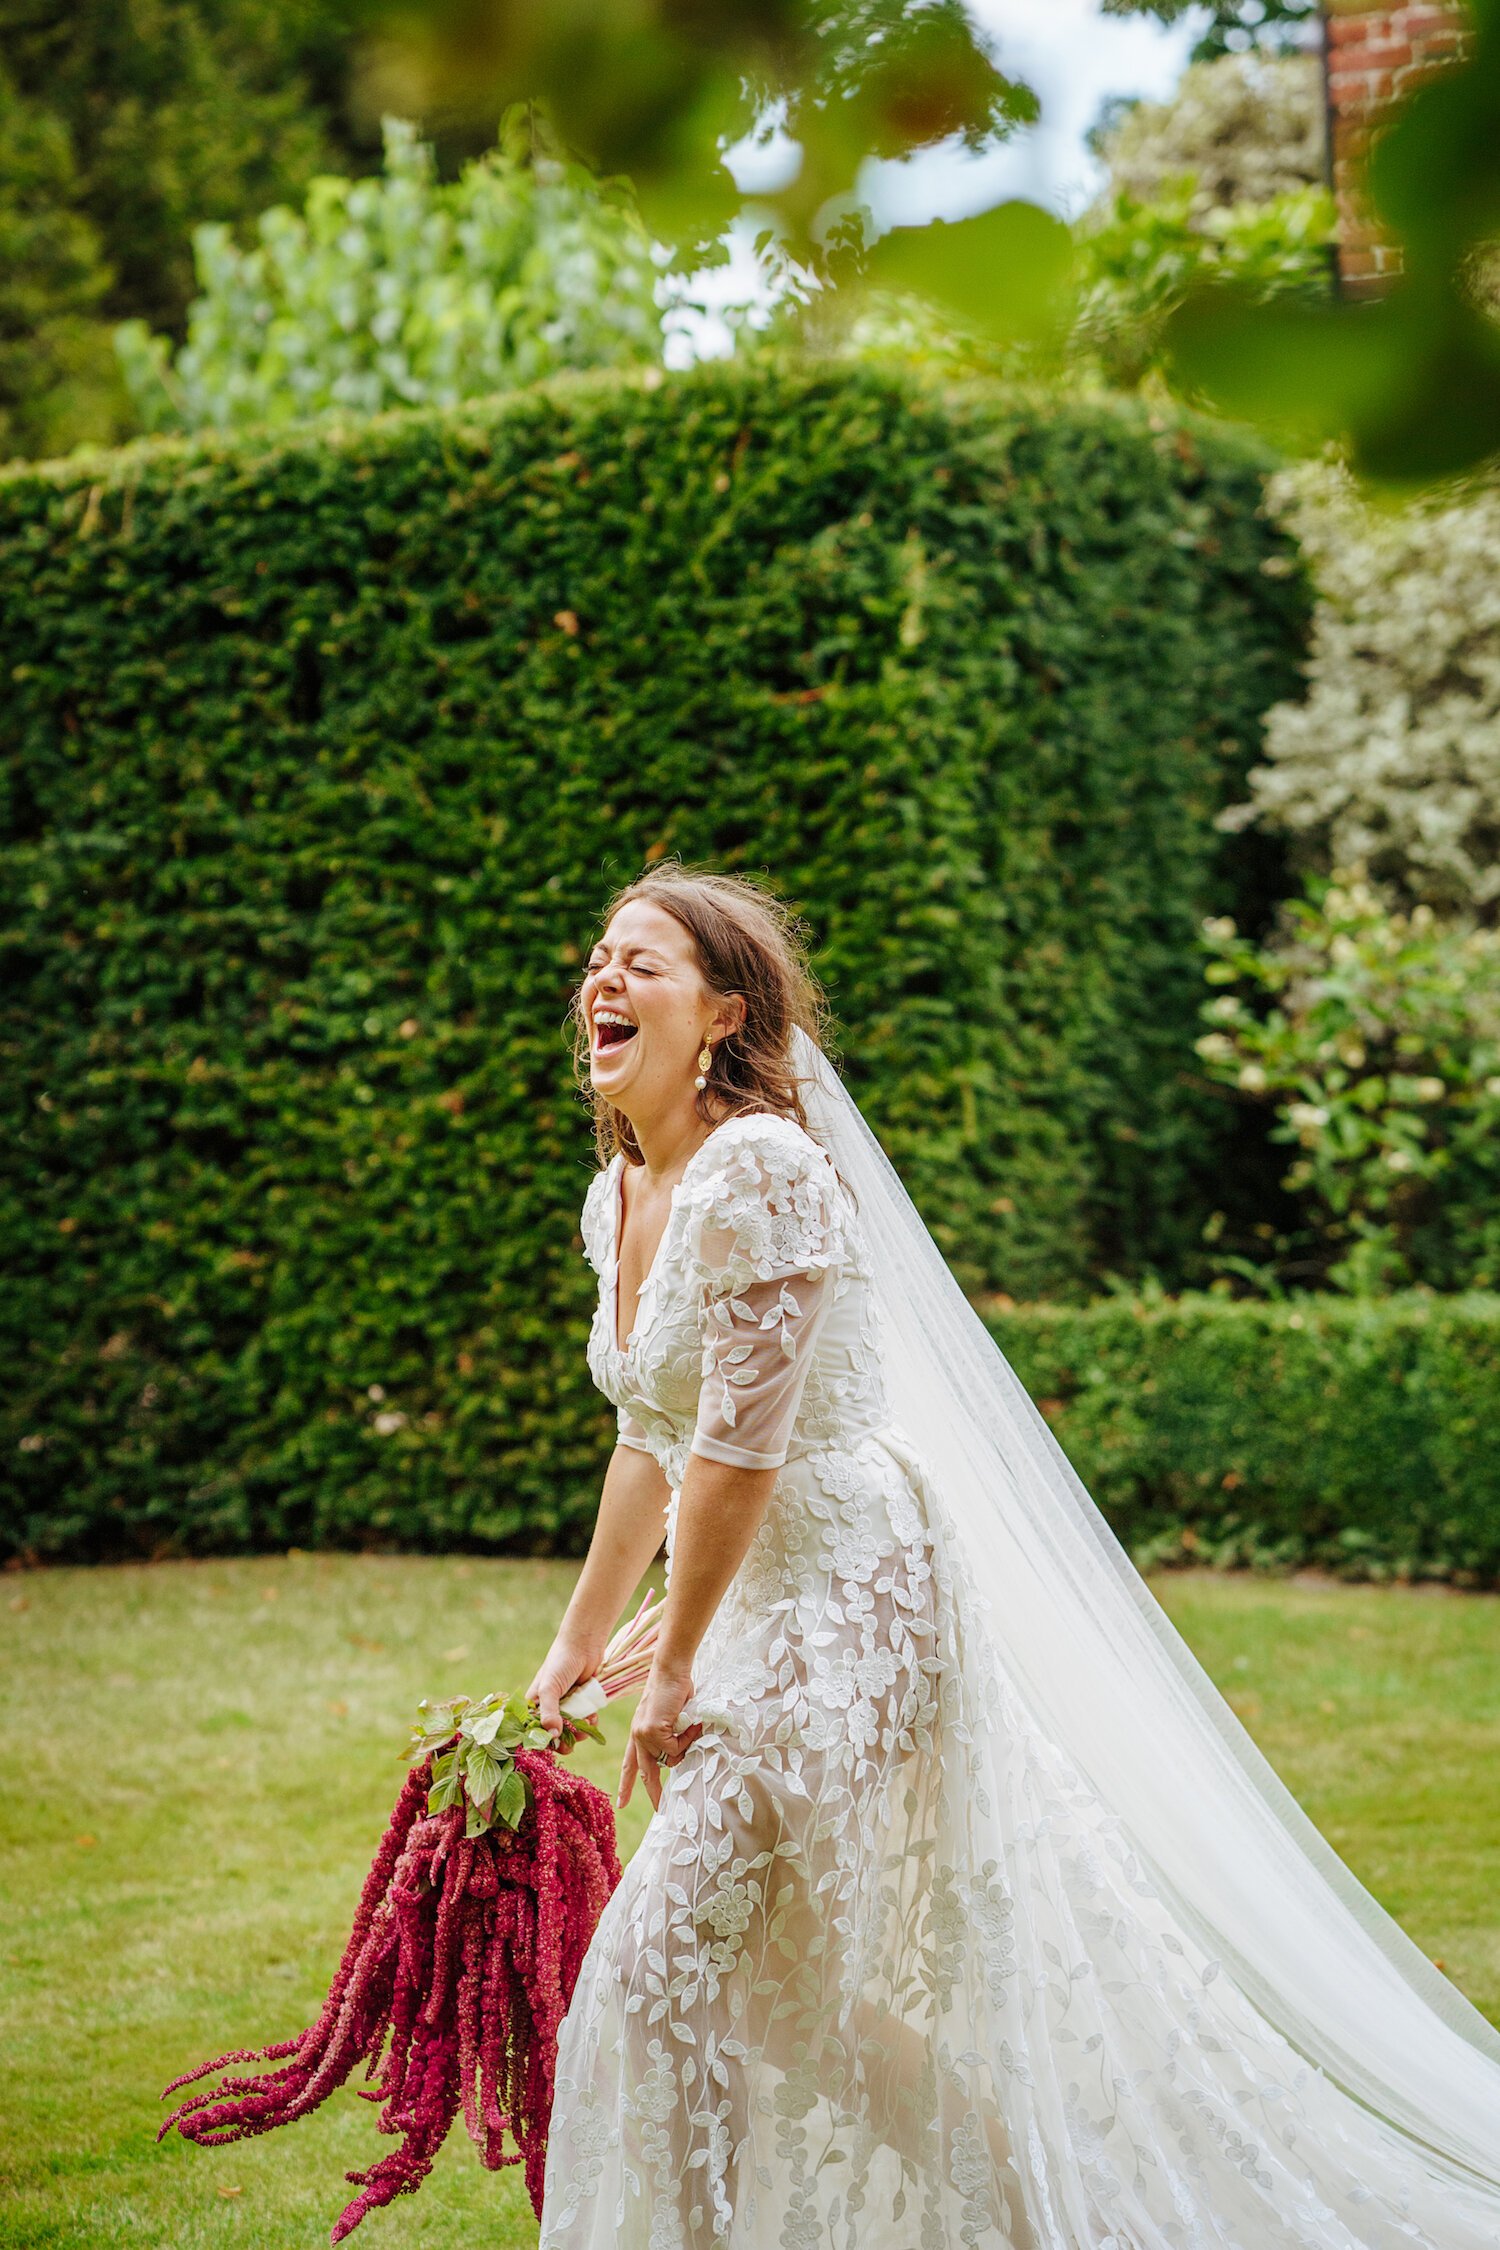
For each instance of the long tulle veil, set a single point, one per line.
(1110, 1678)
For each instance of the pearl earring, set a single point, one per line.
(705, 1059)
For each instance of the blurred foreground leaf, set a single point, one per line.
(1411, 381)
(1002, 273)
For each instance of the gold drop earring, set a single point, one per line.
(705, 1060)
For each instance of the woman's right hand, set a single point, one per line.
(564, 1667)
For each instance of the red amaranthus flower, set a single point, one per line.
(468, 1939)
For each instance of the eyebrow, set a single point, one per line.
(598, 947)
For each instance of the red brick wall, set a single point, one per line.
(1375, 56)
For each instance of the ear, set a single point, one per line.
(731, 1015)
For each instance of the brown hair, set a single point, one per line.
(747, 941)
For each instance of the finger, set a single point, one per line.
(651, 1775)
(674, 1745)
(547, 1698)
(627, 1776)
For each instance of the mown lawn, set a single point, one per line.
(199, 1758)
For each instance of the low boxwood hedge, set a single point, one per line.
(1357, 1436)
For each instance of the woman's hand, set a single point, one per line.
(653, 1734)
(564, 1667)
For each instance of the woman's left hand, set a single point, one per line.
(654, 1736)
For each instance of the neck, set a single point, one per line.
(667, 1143)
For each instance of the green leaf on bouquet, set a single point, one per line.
(434, 1723)
(423, 1745)
(445, 1794)
(482, 1773)
(485, 1728)
(510, 1799)
(477, 1820)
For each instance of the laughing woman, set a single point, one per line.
(967, 1914)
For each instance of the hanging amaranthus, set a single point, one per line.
(466, 1946)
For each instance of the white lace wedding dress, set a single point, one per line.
(885, 1972)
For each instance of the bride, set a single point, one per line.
(968, 1917)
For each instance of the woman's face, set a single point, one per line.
(645, 970)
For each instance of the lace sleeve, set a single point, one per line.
(766, 1239)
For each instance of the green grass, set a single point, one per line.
(199, 1758)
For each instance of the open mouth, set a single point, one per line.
(612, 1035)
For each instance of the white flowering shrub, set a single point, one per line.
(1250, 127)
(1375, 1036)
(1393, 759)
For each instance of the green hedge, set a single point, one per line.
(1354, 1435)
(324, 750)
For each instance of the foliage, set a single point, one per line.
(120, 129)
(1392, 760)
(1139, 261)
(659, 93)
(178, 113)
(1348, 1434)
(1221, 186)
(328, 746)
(471, 1750)
(403, 292)
(1410, 383)
(1377, 1037)
(1249, 128)
(52, 277)
(1104, 320)
(473, 1743)
(1234, 27)
(182, 114)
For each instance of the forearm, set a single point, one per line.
(719, 1510)
(628, 1533)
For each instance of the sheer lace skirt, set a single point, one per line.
(885, 1974)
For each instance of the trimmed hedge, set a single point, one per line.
(324, 751)
(1351, 1434)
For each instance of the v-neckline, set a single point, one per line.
(617, 1229)
(622, 1351)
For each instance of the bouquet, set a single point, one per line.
(466, 1946)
